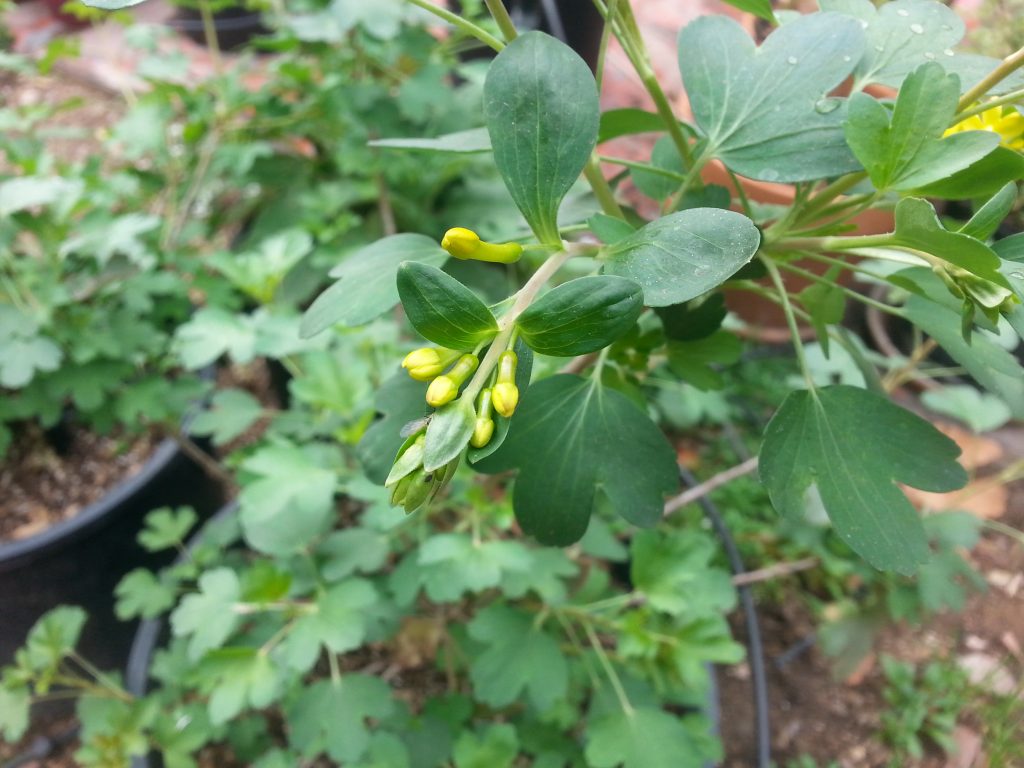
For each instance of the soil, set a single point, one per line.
(61, 732)
(49, 477)
(813, 713)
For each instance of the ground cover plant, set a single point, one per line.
(487, 573)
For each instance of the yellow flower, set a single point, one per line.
(1008, 123)
(444, 389)
(464, 243)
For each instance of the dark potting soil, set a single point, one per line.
(45, 480)
(60, 731)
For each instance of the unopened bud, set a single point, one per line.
(483, 431)
(505, 397)
(420, 486)
(427, 362)
(507, 367)
(444, 389)
(441, 391)
(400, 491)
(464, 243)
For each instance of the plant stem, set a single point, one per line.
(602, 191)
(613, 676)
(1008, 66)
(851, 293)
(465, 25)
(830, 193)
(679, 177)
(977, 109)
(210, 35)
(506, 325)
(602, 51)
(500, 15)
(774, 571)
(794, 330)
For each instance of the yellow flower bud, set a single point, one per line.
(483, 431)
(441, 391)
(505, 397)
(464, 243)
(444, 389)
(427, 362)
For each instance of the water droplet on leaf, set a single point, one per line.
(903, 12)
(824, 106)
(917, 29)
(792, 60)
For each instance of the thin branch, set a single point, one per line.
(712, 483)
(774, 571)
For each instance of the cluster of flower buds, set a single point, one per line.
(410, 484)
(977, 293)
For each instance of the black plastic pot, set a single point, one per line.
(80, 560)
(235, 26)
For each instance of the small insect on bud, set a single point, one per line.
(483, 429)
(444, 389)
(425, 363)
(464, 243)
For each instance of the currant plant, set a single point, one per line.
(582, 438)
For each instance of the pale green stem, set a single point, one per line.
(500, 15)
(599, 185)
(465, 25)
(613, 676)
(977, 109)
(794, 330)
(1009, 65)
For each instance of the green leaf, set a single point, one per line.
(237, 678)
(986, 220)
(918, 228)
(399, 401)
(165, 528)
(766, 112)
(678, 257)
(366, 286)
(448, 433)
(260, 272)
(140, 594)
(992, 366)
(22, 358)
(351, 550)
(53, 637)
(674, 572)
(442, 309)
(1010, 248)
(542, 113)
(291, 501)
(982, 179)
(904, 34)
(451, 564)
(658, 186)
(338, 624)
(760, 8)
(981, 412)
(25, 192)
(849, 447)
(524, 371)
(231, 412)
(573, 438)
(906, 150)
(14, 706)
(464, 142)
(644, 737)
(692, 361)
(627, 121)
(497, 747)
(519, 658)
(332, 718)
(693, 320)
(212, 332)
(609, 229)
(826, 304)
(581, 316)
(208, 616)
